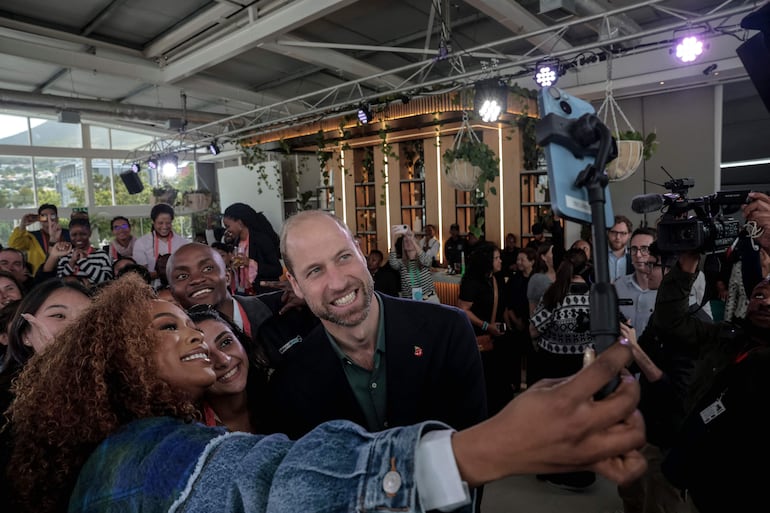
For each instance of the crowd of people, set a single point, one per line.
(292, 372)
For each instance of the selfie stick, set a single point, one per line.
(603, 299)
(585, 137)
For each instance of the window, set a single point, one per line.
(17, 189)
(60, 181)
(52, 133)
(14, 130)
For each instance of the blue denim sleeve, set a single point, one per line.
(341, 467)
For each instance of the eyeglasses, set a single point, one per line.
(614, 233)
(642, 250)
(121, 227)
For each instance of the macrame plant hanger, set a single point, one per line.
(461, 174)
(629, 152)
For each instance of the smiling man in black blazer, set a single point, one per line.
(376, 360)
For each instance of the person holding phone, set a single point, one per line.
(37, 243)
(413, 264)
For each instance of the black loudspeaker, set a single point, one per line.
(755, 52)
(132, 182)
(755, 56)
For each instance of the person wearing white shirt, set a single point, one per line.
(160, 241)
(430, 244)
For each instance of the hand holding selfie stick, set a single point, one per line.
(581, 137)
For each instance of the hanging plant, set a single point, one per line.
(468, 148)
(255, 158)
(649, 142)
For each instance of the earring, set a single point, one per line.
(27, 342)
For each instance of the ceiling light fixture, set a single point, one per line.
(136, 167)
(365, 113)
(152, 162)
(689, 48)
(491, 99)
(547, 72)
(214, 148)
(170, 166)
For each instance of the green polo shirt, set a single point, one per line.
(369, 387)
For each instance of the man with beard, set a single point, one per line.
(377, 360)
(197, 275)
(726, 431)
(620, 263)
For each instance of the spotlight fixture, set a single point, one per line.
(214, 148)
(169, 166)
(689, 48)
(365, 114)
(152, 162)
(135, 167)
(710, 69)
(491, 99)
(547, 73)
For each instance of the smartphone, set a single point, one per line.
(558, 111)
(399, 229)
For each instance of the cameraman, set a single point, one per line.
(726, 431)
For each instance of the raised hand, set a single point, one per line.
(557, 426)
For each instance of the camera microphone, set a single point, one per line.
(645, 203)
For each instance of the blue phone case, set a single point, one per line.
(567, 200)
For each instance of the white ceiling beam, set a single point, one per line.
(190, 28)
(331, 59)
(124, 66)
(283, 20)
(519, 20)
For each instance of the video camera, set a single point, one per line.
(710, 230)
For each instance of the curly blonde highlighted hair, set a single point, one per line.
(98, 376)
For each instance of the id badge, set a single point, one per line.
(712, 411)
(417, 293)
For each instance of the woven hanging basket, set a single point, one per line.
(629, 157)
(462, 175)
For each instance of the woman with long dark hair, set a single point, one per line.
(241, 371)
(254, 240)
(482, 299)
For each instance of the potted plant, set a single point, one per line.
(197, 200)
(461, 159)
(633, 147)
(164, 194)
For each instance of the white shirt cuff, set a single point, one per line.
(437, 477)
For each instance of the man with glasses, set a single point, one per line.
(635, 286)
(617, 237)
(122, 245)
(38, 242)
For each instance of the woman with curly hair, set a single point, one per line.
(240, 369)
(105, 422)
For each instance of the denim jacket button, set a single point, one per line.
(391, 482)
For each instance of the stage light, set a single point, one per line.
(135, 167)
(152, 162)
(365, 114)
(547, 73)
(491, 99)
(169, 167)
(689, 48)
(214, 148)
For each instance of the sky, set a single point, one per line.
(12, 125)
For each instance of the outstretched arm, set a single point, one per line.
(557, 426)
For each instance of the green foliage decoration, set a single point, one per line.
(477, 154)
(649, 141)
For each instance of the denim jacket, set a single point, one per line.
(164, 464)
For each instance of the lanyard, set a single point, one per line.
(244, 318)
(155, 242)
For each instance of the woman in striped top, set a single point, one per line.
(78, 259)
(414, 267)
